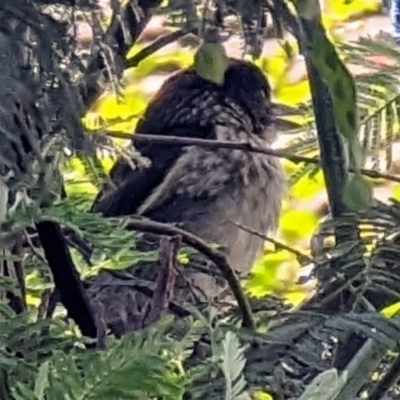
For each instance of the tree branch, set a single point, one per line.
(165, 284)
(156, 45)
(218, 144)
(129, 21)
(217, 257)
(66, 278)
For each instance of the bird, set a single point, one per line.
(212, 193)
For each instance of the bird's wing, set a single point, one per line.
(198, 175)
(176, 110)
(183, 184)
(131, 187)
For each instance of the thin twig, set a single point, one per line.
(53, 300)
(154, 46)
(43, 305)
(218, 258)
(210, 144)
(282, 246)
(17, 302)
(276, 243)
(219, 144)
(93, 81)
(34, 249)
(164, 291)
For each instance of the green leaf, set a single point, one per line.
(357, 193)
(325, 386)
(7, 361)
(307, 9)
(210, 59)
(336, 76)
(340, 83)
(298, 224)
(22, 392)
(42, 380)
(233, 364)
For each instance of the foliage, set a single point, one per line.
(233, 365)
(131, 368)
(45, 358)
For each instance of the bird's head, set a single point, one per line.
(187, 100)
(244, 84)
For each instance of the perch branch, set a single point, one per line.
(217, 257)
(218, 144)
(164, 291)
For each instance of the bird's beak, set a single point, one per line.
(278, 114)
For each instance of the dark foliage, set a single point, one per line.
(207, 191)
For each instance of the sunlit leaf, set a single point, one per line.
(298, 224)
(357, 193)
(391, 310)
(258, 395)
(275, 273)
(210, 60)
(307, 187)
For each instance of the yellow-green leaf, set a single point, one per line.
(357, 193)
(337, 77)
(211, 61)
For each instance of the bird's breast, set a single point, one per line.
(249, 204)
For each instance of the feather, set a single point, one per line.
(205, 191)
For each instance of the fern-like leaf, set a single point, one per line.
(233, 363)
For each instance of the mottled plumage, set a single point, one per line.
(206, 190)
